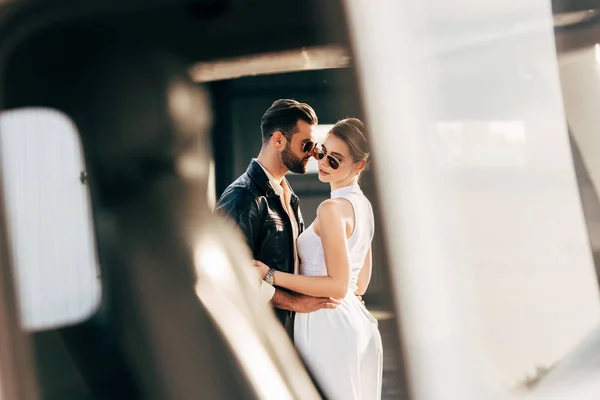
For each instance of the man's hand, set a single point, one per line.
(301, 303)
(307, 304)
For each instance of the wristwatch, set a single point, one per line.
(270, 277)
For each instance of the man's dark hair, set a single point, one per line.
(283, 115)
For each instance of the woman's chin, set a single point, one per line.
(323, 178)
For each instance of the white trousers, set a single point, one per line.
(343, 349)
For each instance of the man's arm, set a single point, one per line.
(291, 301)
(239, 206)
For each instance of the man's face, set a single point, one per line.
(293, 156)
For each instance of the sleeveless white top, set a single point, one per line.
(310, 247)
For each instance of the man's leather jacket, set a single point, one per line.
(253, 205)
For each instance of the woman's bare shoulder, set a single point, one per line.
(338, 208)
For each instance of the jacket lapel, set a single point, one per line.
(256, 173)
(295, 203)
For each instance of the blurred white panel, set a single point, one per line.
(49, 218)
(517, 205)
(319, 132)
(482, 143)
(493, 269)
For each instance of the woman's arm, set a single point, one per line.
(364, 277)
(335, 248)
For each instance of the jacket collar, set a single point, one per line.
(257, 174)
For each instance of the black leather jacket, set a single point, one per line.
(252, 203)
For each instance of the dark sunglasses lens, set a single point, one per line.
(308, 146)
(333, 163)
(319, 154)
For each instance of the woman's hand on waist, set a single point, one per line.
(261, 268)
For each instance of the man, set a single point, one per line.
(266, 209)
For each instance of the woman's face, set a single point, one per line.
(336, 163)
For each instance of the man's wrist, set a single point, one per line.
(285, 300)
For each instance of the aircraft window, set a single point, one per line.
(49, 218)
(237, 138)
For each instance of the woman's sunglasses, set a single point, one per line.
(334, 163)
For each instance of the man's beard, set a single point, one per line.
(293, 162)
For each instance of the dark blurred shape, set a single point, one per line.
(575, 19)
(566, 6)
(208, 9)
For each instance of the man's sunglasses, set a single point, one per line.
(308, 146)
(334, 163)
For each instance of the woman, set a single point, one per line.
(342, 346)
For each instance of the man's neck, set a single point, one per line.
(273, 165)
